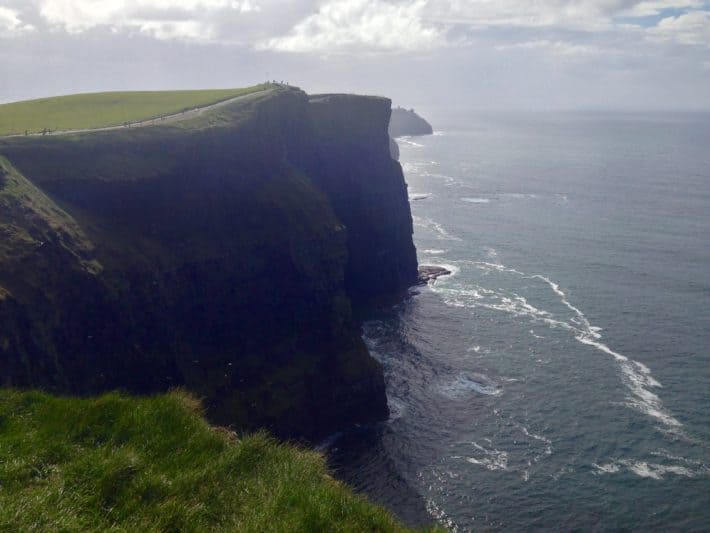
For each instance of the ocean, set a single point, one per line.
(560, 377)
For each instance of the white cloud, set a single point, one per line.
(163, 19)
(386, 25)
(10, 23)
(557, 48)
(374, 25)
(560, 27)
(692, 28)
(577, 14)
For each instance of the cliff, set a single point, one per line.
(221, 254)
(368, 193)
(407, 122)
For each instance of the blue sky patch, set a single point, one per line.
(653, 20)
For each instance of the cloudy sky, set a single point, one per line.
(487, 54)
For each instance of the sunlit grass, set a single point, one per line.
(154, 464)
(98, 110)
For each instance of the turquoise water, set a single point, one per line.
(560, 378)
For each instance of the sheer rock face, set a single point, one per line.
(367, 190)
(394, 149)
(222, 255)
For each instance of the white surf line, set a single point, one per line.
(645, 469)
(636, 375)
(434, 227)
(656, 470)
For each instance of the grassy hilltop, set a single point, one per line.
(154, 464)
(100, 110)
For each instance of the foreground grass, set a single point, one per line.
(99, 110)
(154, 464)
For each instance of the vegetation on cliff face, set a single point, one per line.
(99, 110)
(153, 464)
(28, 218)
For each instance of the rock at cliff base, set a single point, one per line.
(429, 273)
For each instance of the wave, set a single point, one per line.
(448, 180)
(435, 227)
(519, 195)
(418, 166)
(464, 384)
(649, 470)
(635, 375)
(440, 516)
(492, 459)
(532, 332)
(471, 200)
(433, 251)
(530, 449)
(396, 406)
(547, 442)
(409, 141)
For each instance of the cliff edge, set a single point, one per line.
(222, 254)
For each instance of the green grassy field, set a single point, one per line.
(99, 110)
(153, 464)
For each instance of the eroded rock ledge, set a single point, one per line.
(429, 273)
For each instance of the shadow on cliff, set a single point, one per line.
(223, 254)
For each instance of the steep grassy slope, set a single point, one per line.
(98, 110)
(153, 464)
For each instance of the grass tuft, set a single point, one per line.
(154, 464)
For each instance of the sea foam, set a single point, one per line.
(636, 376)
(648, 470)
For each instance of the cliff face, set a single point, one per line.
(220, 254)
(354, 167)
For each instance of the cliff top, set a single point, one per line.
(109, 109)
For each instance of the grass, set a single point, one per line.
(99, 110)
(28, 217)
(153, 464)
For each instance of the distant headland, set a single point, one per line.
(405, 122)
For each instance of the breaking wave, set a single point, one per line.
(635, 375)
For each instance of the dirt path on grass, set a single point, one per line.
(165, 119)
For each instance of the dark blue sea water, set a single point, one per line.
(560, 379)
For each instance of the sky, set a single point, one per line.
(427, 54)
